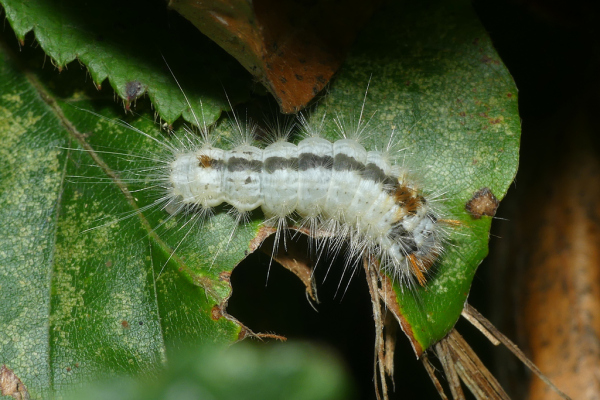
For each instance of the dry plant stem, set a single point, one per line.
(431, 372)
(474, 314)
(479, 326)
(471, 370)
(379, 362)
(443, 354)
(391, 328)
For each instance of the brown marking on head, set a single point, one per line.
(482, 203)
(412, 205)
(125, 324)
(402, 194)
(416, 265)
(215, 313)
(205, 161)
(408, 199)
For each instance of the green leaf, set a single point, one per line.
(126, 42)
(113, 300)
(437, 80)
(82, 305)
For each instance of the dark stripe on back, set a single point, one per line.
(342, 162)
(374, 173)
(390, 181)
(310, 161)
(236, 164)
(217, 164)
(273, 164)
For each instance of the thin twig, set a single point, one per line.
(443, 354)
(390, 328)
(485, 384)
(472, 371)
(480, 327)
(431, 371)
(473, 313)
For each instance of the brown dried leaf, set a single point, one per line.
(293, 258)
(292, 47)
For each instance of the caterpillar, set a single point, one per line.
(366, 199)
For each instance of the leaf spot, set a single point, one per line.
(482, 203)
(11, 385)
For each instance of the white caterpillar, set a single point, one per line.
(356, 196)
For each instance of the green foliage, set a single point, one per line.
(300, 371)
(129, 43)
